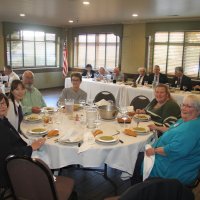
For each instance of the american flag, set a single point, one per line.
(65, 63)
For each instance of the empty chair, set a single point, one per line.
(31, 179)
(140, 102)
(104, 95)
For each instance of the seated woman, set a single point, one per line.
(74, 92)
(11, 143)
(14, 113)
(177, 151)
(88, 72)
(163, 109)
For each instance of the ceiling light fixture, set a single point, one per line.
(86, 2)
(135, 15)
(71, 21)
(22, 15)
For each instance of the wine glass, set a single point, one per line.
(82, 103)
(97, 120)
(123, 111)
(61, 103)
(185, 88)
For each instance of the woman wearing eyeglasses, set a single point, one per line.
(177, 151)
(11, 143)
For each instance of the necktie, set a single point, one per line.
(20, 116)
(178, 81)
(138, 82)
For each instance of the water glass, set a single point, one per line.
(91, 117)
(145, 83)
(82, 103)
(69, 106)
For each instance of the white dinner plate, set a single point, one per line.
(61, 140)
(141, 130)
(106, 138)
(33, 118)
(38, 131)
(49, 109)
(142, 117)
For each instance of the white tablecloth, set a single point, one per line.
(123, 94)
(121, 156)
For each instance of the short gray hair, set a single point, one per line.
(141, 68)
(179, 69)
(195, 101)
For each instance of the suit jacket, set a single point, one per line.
(162, 78)
(144, 79)
(185, 81)
(92, 72)
(10, 144)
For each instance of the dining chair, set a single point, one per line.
(104, 95)
(31, 179)
(140, 102)
(156, 188)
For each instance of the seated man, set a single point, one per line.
(157, 77)
(180, 80)
(11, 75)
(88, 72)
(141, 77)
(32, 100)
(117, 75)
(74, 92)
(101, 73)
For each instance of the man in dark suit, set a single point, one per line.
(141, 77)
(157, 77)
(182, 81)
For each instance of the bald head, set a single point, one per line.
(28, 79)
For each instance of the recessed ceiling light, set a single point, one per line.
(71, 21)
(135, 15)
(22, 15)
(86, 2)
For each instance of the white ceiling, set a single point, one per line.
(58, 12)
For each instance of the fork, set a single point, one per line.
(118, 132)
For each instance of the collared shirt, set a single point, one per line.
(11, 77)
(31, 99)
(11, 116)
(139, 79)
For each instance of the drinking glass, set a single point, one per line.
(61, 104)
(91, 116)
(69, 106)
(185, 88)
(82, 103)
(145, 83)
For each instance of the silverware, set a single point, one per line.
(118, 132)
(79, 144)
(121, 141)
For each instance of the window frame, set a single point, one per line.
(168, 43)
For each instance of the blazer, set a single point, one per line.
(185, 81)
(10, 144)
(144, 79)
(162, 78)
(92, 72)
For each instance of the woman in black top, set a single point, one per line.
(11, 142)
(88, 72)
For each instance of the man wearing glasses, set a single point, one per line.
(74, 92)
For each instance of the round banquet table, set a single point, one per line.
(121, 156)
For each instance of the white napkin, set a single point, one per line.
(130, 108)
(72, 135)
(102, 102)
(148, 163)
(88, 142)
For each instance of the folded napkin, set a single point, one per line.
(148, 163)
(102, 102)
(130, 108)
(73, 135)
(88, 142)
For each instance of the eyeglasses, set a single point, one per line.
(186, 105)
(75, 80)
